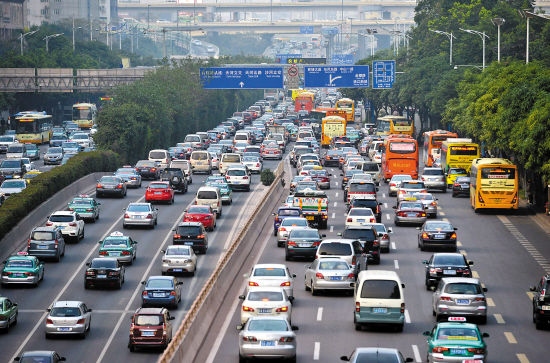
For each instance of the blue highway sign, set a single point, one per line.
(383, 74)
(242, 78)
(306, 29)
(336, 76)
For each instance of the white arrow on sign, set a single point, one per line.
(332, 79)
(241, 84)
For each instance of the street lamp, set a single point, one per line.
(450, 36)
(482, 35)
(498, 22)
(22, 37)
(529, 14)
(47, 39)
(371, 32)
(73, 34)
(148, 9)
(350, 30)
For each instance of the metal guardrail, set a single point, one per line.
(185, 325)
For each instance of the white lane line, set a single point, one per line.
(499, 319)
(332, 228)
(385, 205)
(388, 217)
(241, 220)
(463, 252)
(510, 337)
(522, 358)
(416, 352)
(393, 246)
(336, 183)
(336, 195)
(383, 195)
(335, 204)
(316, 350)
(459, 244)
(71, 279)
(333, 215)
(320, 314)
(407, 317)
(490, 302)
(441, 212)
(396, 264)
(446, 219)
(475, 275)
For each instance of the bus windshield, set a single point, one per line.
(402, 147)
(82, 113)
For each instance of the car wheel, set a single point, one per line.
(82, 235)
(120, 284)
(242, 359)
(192, 273)
(57, 258)
(422, 248)
(307, 288)
(47, 336)
(132, 348)
(399, 328)
(124, 225)
(454, 195)
(314, 291)
(14, 323)
(482, 320)
(428, 286)
(539, 324)
(275, 232)
(287, 257)
(86, 285)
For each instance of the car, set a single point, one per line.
(161, 291)
(86, 207)
(70, 223)
(8, 313)
(332, 158)
(446, 265)
(371, 168)
(203, 214)
(22, 269)
(428, 201)
(347, 176)
(147, 169)
(47, 356)
(437, 234)
(151, 328)
(383, 235)
(302, 242)
(282, 213)
(460, 296)
(124, 248)
(288, 202)
(70, 147)
(359, 216)
(271, 275)
(53, 156)
(130, 176)
(253, 163)
(12, 168)
(454, 173)
(68, 318)
(82, 139)
(368, 237)
(434, 178)
(160, 191)
(140, 214)
(395, 183)
(287, 225)
(179, 259)
(5, 141)
(322, 177)
(297, 179)
(192, 234)
(461, 186)
(408, 187)
(276, 336)
(238, 177)
(306, 185)
(409, 212)
(12, 186)
(541, 302)
(215, 159)
(348, 249)
(30, 175)
(367, 201)
(329, 274)
(376, 355)
(46, 243)
(456, 341)
(266, 301)
(58, 139)
(185, 167)
(221, 183)
(104, 271)
(110, 185)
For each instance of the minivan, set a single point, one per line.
(195, 140)
(242, 136)
(201, 162)
(160, 156)
(16, 151)
(210, 196)
(349, 250)
(379, 299)
(229, 159)
(185, 167)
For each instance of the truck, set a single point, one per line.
(314, 205)
(277, 130)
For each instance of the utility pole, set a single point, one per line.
(22, 37)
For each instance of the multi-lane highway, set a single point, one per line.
(508, 253)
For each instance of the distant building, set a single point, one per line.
(54, 11)
(543, 5)
(12, 18)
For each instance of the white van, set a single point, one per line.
(379, 299)
(210, 196)
(160, 156)
(16, 151)
(228, 159)
(242, 136)
(201, 162)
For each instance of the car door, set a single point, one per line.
(310, 270)
(437, 294)
(360, 255)
(85, 313)
(9, 308)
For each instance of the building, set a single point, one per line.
(54, 11)
(12, 18)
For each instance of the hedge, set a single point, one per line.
(45, 185)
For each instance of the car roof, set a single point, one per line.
(45, 229)
(63, 212)
(187, 224)
(66, 303)
(265, 288)
(457, 325)
(269, 265)
(376, 349)
(384, 274)
(469, 280)
(149, 311)
(158, 277)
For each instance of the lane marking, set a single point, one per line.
(441, 212)
(522, 358)
(407, 317)
(459, 244)
(490, 302)
(335, 204)
(316, 350)
(385, 205)
(383, 195)
(333, 215)
(393, 246)
(320, 314)
(499, 319)
(446, 219)
(483, 285)
(336, 195)
(530, 295)
(463, 252)
(475, 275)
(388, 217)
(416, 352)
(510, 337)
(336, 183)
(396, 264)
(331, 228)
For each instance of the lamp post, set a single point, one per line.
(148, 10)
(47, 39)
(271, 11)
(482, 35)
(498, 22)
(371, 32)
(22, 37)
(73, 34)
(528, 15)
(450, 36)
(350, 30)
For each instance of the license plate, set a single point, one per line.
(101, 276)
(61, 227)
(147, 333)
(463, 301)
(42, 247)
(18, 275)
(455, 351)
(114, 254)
(267, 343)
(497, 200)
(380, 310)
(177, 270)
(264, 311)
(449, 272)
(335, 278)
(304, 244)
(545, 307)
(464, 185)
(158, 193)
(439, 236)
(138, 217)
(158, 294)
(188, 243)
(411, 214)
(361, 220)
(63, 329)
(310, 218)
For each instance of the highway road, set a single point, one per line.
(108, 338)
(38, 164)
(509, 252)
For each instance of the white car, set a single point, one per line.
(82, 139)
(215, 160)
(266, 301)
(271, 275)
(12, 186)
(395, 183)
(238, 177)
(287, 225)
(69, 222)
(360, 216)
(253, 163)
(179, 259)
(28, 164)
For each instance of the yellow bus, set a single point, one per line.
(84, 114)
(332, 126)
(458, 153)
(399, 125)
(33, 127)
(493, 184)
(382, 126)
(348, 105)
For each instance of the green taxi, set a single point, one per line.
(225, 189)
(22, 269)
(8, 313)
(456, 341)
(86, 207)
(452, 174)
(124, 248)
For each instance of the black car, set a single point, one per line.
(175, 177)
(461, 186)
(371, 203)
(446, 265)
(148, 169)
(297, 152)
(541, 303)
(110, 185)
(40, 356)
(191, 234)
(437, 234)
(347, 176)
(368, 237)
(332, 158)
(104, 271)
(302, 243)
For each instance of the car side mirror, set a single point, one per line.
(323, 235)
(339, 233)
(171, 318)
(426, 333)
(179, 283)
(532, 288)
(143, 282)
(394, 207)
(470, 263)
(455, 228)
(240, 327)
(485, 335)
(88, 264)
(403, 286)
(352, 284)
(376, 189)
(62, 359)
(409, 360)
(390, 230)
(291, 299)
(293, 275)
(89, 310)
(380, 203)
(484, 289)
(344, 358)
(418, 228)
(425, 262)
(135, 242)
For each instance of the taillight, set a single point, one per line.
(283, 309)
(252, 283)
(49, 321)
(70, 209)
(103, 253)
(282, 229)
(480, 198)
(144, 293)
(287, 283)
(476, 350)
(149, 216)
(125, 253)
(433, 203)
(349, 220)
(440, 349)
(353, 260)
(98, 186)
(29, 246)
(402, 308)
(291, 243)
(435, 270)
(479, 299)
(351, 276)
(357, 307)
(456, 184)
(126, 215)
(453, 236)
(245, 177)
(172, 293)
(72, 224)
(393, 185)
(246, 308)
(250, 339)
(445, 298)
(200, 236)
(81, 321)
(515, 199)
(119, 186)
(286, 339)
(319, 275)
(385, 236)
(90, 273)
(49, 224)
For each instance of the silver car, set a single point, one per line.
(329, 273)
(267, 337)
(460, 296)
(434, 178)
(68, 318)
(253, 163)
(140, 214)
(287, 225)
(429, 202)
(395, 183)
(383, 235)
(179, 259)
(54, 155)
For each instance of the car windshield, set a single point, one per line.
(380, 228)
(103, 263)
(126, 171)
(65, 312)
(462, 179)
(362, 188)
(207, 194)
(410, 206)
(160, 283)
(448, 260)
(199, 156)
(6, 139)
(457, 171)
(304, 233)
(252, 159)
(15, 149)
(359, 233)
(115, 242)
(146, 163)
(335, 249)
(10, 164)
(463, 289)
(265, 296)
(61, 218)
(294, 222)
(198, 210)
(457, 333)
(138, 208)
(267, 325)
(231, 158)
(360, 212)
(70, 145)
(13, 184)
(43, 236)
(432, 172)
(109, 179)
(178, 251)
(84, 202)
(378, 357)
(269, 271)
(80, 137)
(157, 155)
(144, 320)
(236, 172)
(333, 265)
(408, 185)
(158, 186)
(423, 196)
(438, 226)
(19, 263)
(380, 289)
(365, 203)
(36, 358)
(189, 230)
(401, 178)
(288, 212)
(54, 150)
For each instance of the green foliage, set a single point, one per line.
(45, 185)
(267, 177)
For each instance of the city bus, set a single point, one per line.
(304, 101)
(399, 124)
(458, 153)
(33, 127)
(84, 114)
(400, 156)
(382, 126)
(432, 144)
(493, 184)
(348, 105)
(332, 126)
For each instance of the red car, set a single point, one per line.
(159, 192)
(203, 214)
